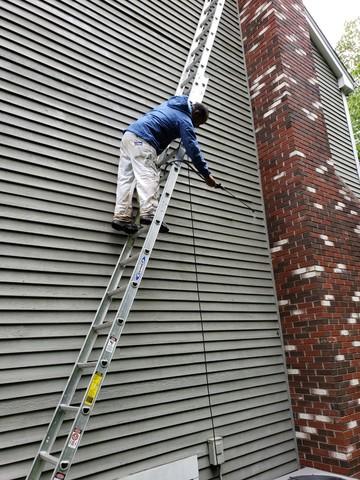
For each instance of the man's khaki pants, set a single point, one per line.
(137, 169)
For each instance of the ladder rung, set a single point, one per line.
(188, 79)
(204, 31)
(116, 291)
(211, 4)
(102, 326)
(48, 458)
(197, 49)
(68, 408)
(192, 64)
(86, 364)
(129, 260)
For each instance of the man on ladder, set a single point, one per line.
(142, 142)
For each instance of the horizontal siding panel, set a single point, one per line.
(337, 124)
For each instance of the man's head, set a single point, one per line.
(199, 114)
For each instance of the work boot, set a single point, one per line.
(127, 227)
(147, 220)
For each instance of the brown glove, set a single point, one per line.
(210, 181)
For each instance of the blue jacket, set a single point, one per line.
(165, 123)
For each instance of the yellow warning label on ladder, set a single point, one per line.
(93, 389)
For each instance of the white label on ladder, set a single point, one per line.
(142, 266)
(111, 344)
(75, 438)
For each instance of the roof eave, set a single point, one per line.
(345, 81)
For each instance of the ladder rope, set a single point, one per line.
(202, 320)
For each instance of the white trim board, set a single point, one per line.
(345, 81)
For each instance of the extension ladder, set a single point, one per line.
(193, 83)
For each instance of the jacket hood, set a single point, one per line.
(180, 102)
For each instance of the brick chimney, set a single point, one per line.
(314, 228)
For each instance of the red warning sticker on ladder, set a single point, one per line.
(59, 476)
(75, 438)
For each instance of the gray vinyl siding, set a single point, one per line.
(75, 74)
(341, 146)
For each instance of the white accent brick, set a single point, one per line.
(351, 320)
(260, 10)
(309, 430)
(354, 381)
(302, 435)
(324, 237)
(344, 333)
(282, 242)
(317, 205)
(254, 47)
(299, 271)
(279, 77)
(244, 18)
(306, 416)
(280, 16)
(263, 30)
(284, 302)
(311, 189)
(355, 299)
(353, 212)
(341, 265)
(339, 456)
(329, 297)
(317, 268)
(296, 152)
(311, 275)
(319, 391)
(280, 175)
(329, 244)
(339, 358)
(267, 114)
(279, 87)
(352, 424)
(313, 81)
(323, 418)
(297, 312)
(325, 303)
(293, 371)
(275, 104)
(276, 249)
(290, 348)
(355, 343)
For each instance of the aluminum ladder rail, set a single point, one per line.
(193, 83)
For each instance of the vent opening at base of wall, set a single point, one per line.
(185, 469)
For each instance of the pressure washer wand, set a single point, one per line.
(219, 185)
